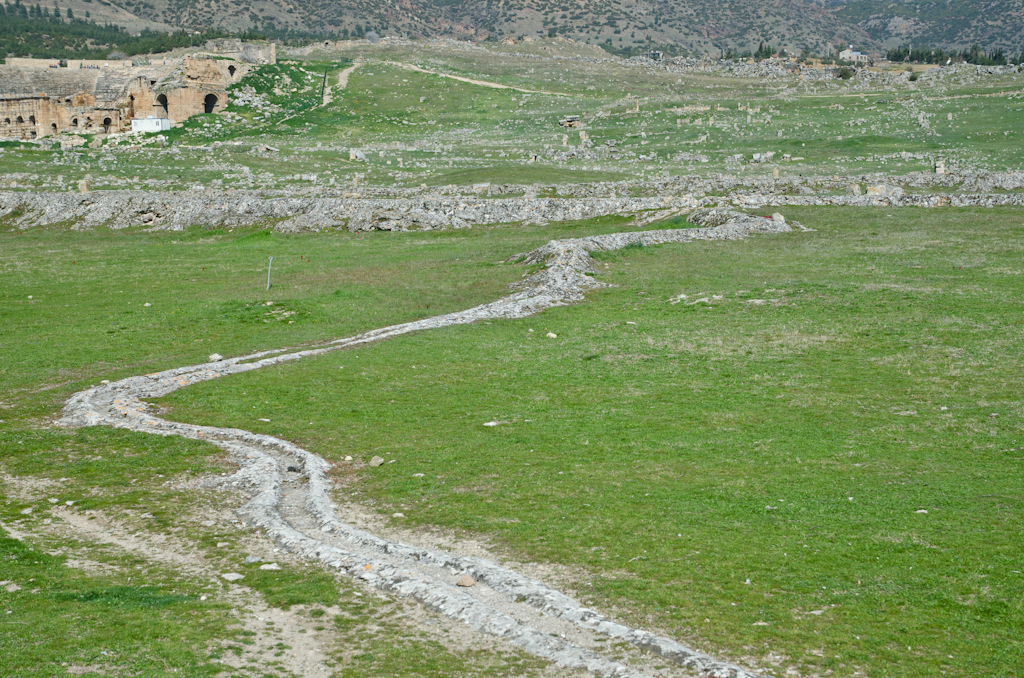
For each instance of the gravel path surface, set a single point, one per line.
(295, 509)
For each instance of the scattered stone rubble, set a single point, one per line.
(397, 209)
(780, 69)
(439, 580)
(248, 97)
(179, 211)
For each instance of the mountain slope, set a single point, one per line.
(939, 23)
(700, 26)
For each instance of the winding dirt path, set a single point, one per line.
(342, 83)
(482, 83)
(343, 76)
(289, 487)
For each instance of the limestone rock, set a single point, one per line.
(884, 191)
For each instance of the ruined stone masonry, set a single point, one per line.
(42, 97)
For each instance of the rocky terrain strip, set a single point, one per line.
(175, 211)
(179, 211)
(290, 491)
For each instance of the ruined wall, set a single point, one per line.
(246, 52)
(30, 118)
(99, 63)
(28, 62)
(21, 118)
(37, 101)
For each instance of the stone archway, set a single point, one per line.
(53, 128)
(231, 71)
(161, 102)
(210, 103)
(106, 125)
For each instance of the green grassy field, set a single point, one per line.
(749, 476)
(420, 128)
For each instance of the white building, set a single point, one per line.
(151, 124)
(854, 56)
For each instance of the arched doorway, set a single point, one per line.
(161, 102)
(106, 125)
(209, 103)
(32, 119)
(231, 71)
(131, 106)
(74, 122)
(53, 128)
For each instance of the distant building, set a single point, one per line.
(854, 56)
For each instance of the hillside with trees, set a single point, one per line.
(623, 27)
(949, 24)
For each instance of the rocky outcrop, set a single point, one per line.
(175, 211)
(890, 198)
(181, 210)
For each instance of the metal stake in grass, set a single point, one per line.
(269, 266)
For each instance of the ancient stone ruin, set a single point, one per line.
(41, 97)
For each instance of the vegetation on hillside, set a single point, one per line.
(951, 24)
(667, 49)
(33, 31)
(36, 31)
(936, 55)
